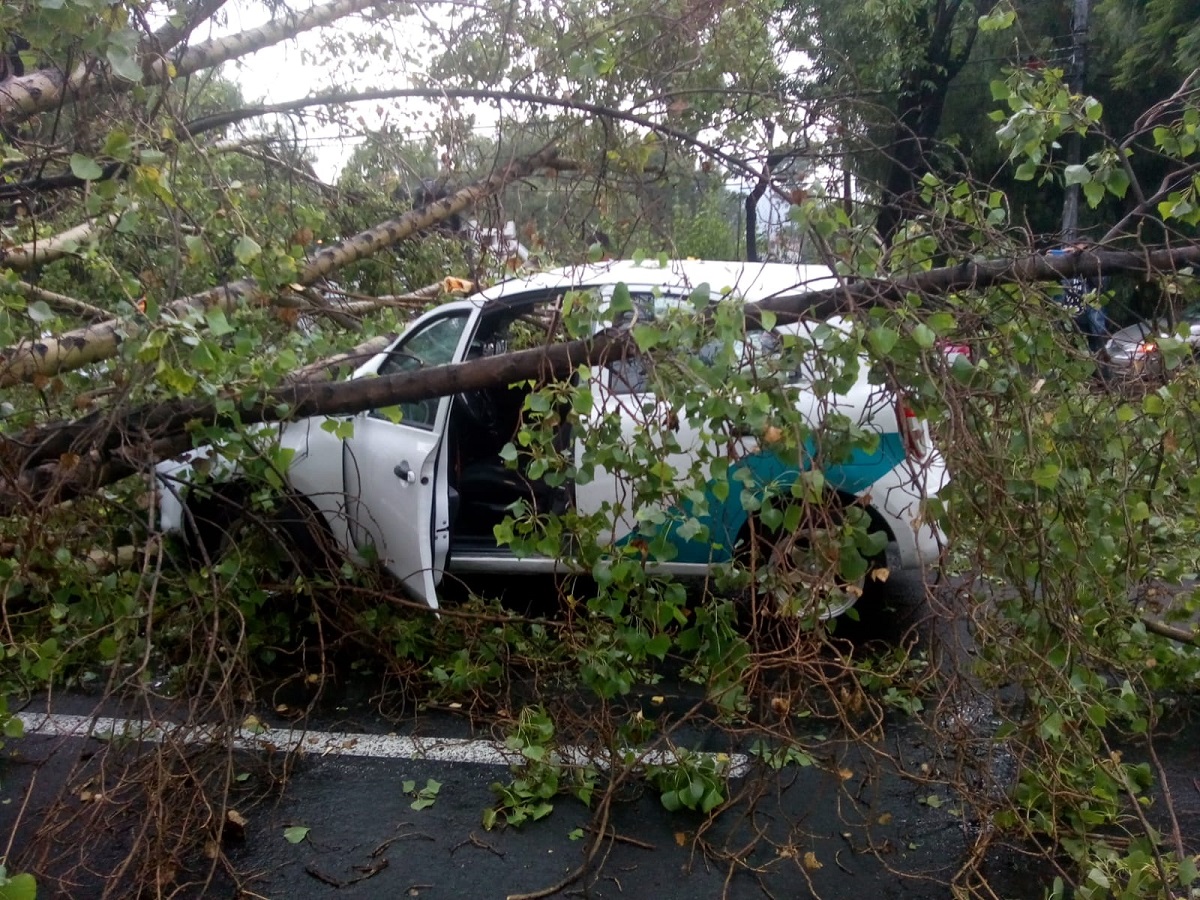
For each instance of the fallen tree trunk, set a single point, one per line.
(63, 460)
(972, 275)
(84, 346)
(66, 460)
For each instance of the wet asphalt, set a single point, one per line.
(869, 818)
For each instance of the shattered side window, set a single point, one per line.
(631, 375)
(433, 345)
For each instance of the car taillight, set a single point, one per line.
(1146, 347)
(952, 351)
(912, 432)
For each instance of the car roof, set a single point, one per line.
(751, 281)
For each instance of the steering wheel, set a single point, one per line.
(478, 404)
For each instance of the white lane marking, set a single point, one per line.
(336, 743)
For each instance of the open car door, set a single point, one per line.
(394, 465)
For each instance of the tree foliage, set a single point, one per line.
(174, 271)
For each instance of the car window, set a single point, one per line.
(631, 375)
(756, 349)
(433, 345)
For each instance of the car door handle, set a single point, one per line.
(405, 473)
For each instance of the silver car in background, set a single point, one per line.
(1134, 350)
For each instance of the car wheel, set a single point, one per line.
(803, 573)
(226, 528)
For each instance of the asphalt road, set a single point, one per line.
(868, 818)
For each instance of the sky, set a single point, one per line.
(286, 71)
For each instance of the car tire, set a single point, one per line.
(783, 567)
(224, 521)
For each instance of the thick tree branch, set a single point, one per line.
(61, 302)
(97, 446)
(46, 89)
(65, 460)
(975, 275)
(1162, 629)
(40, 251)
(84, 346)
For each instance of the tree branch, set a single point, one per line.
(46, 89)
(22, 362)
(270, 159)
(232, 117)
(98, 446)
(61, 301)
(40, 251)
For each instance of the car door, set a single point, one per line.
(395, 467)
(624, 388)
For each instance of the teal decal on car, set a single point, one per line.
(755, 472)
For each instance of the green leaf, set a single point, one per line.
(1026, 171)
(882, 339)
(124, 63)
(19, 887)
(117, 145)
(998, 19)
(1094, 192)
(942, 322)
(218, 325)
(246, 250)
(923, 336)
(1117, 182)
(295, 834)
(1077, 174)
(622, 300)
(1046, 475)
(1187, 871)
(40, 312)
(85, 167)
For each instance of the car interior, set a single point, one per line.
(482, 486)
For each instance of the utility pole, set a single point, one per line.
(1079, 39)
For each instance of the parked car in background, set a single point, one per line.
(1135, 351)
(423, 494)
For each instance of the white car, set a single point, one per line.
(422, 494)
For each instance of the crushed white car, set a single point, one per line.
(422, 494)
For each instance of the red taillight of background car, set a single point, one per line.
(912, 431)
(953, 351)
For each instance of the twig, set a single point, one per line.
(1162, 629)
(1168, 800)
(316, 873)
(476, 842)
(581, 870)
(625, 839)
